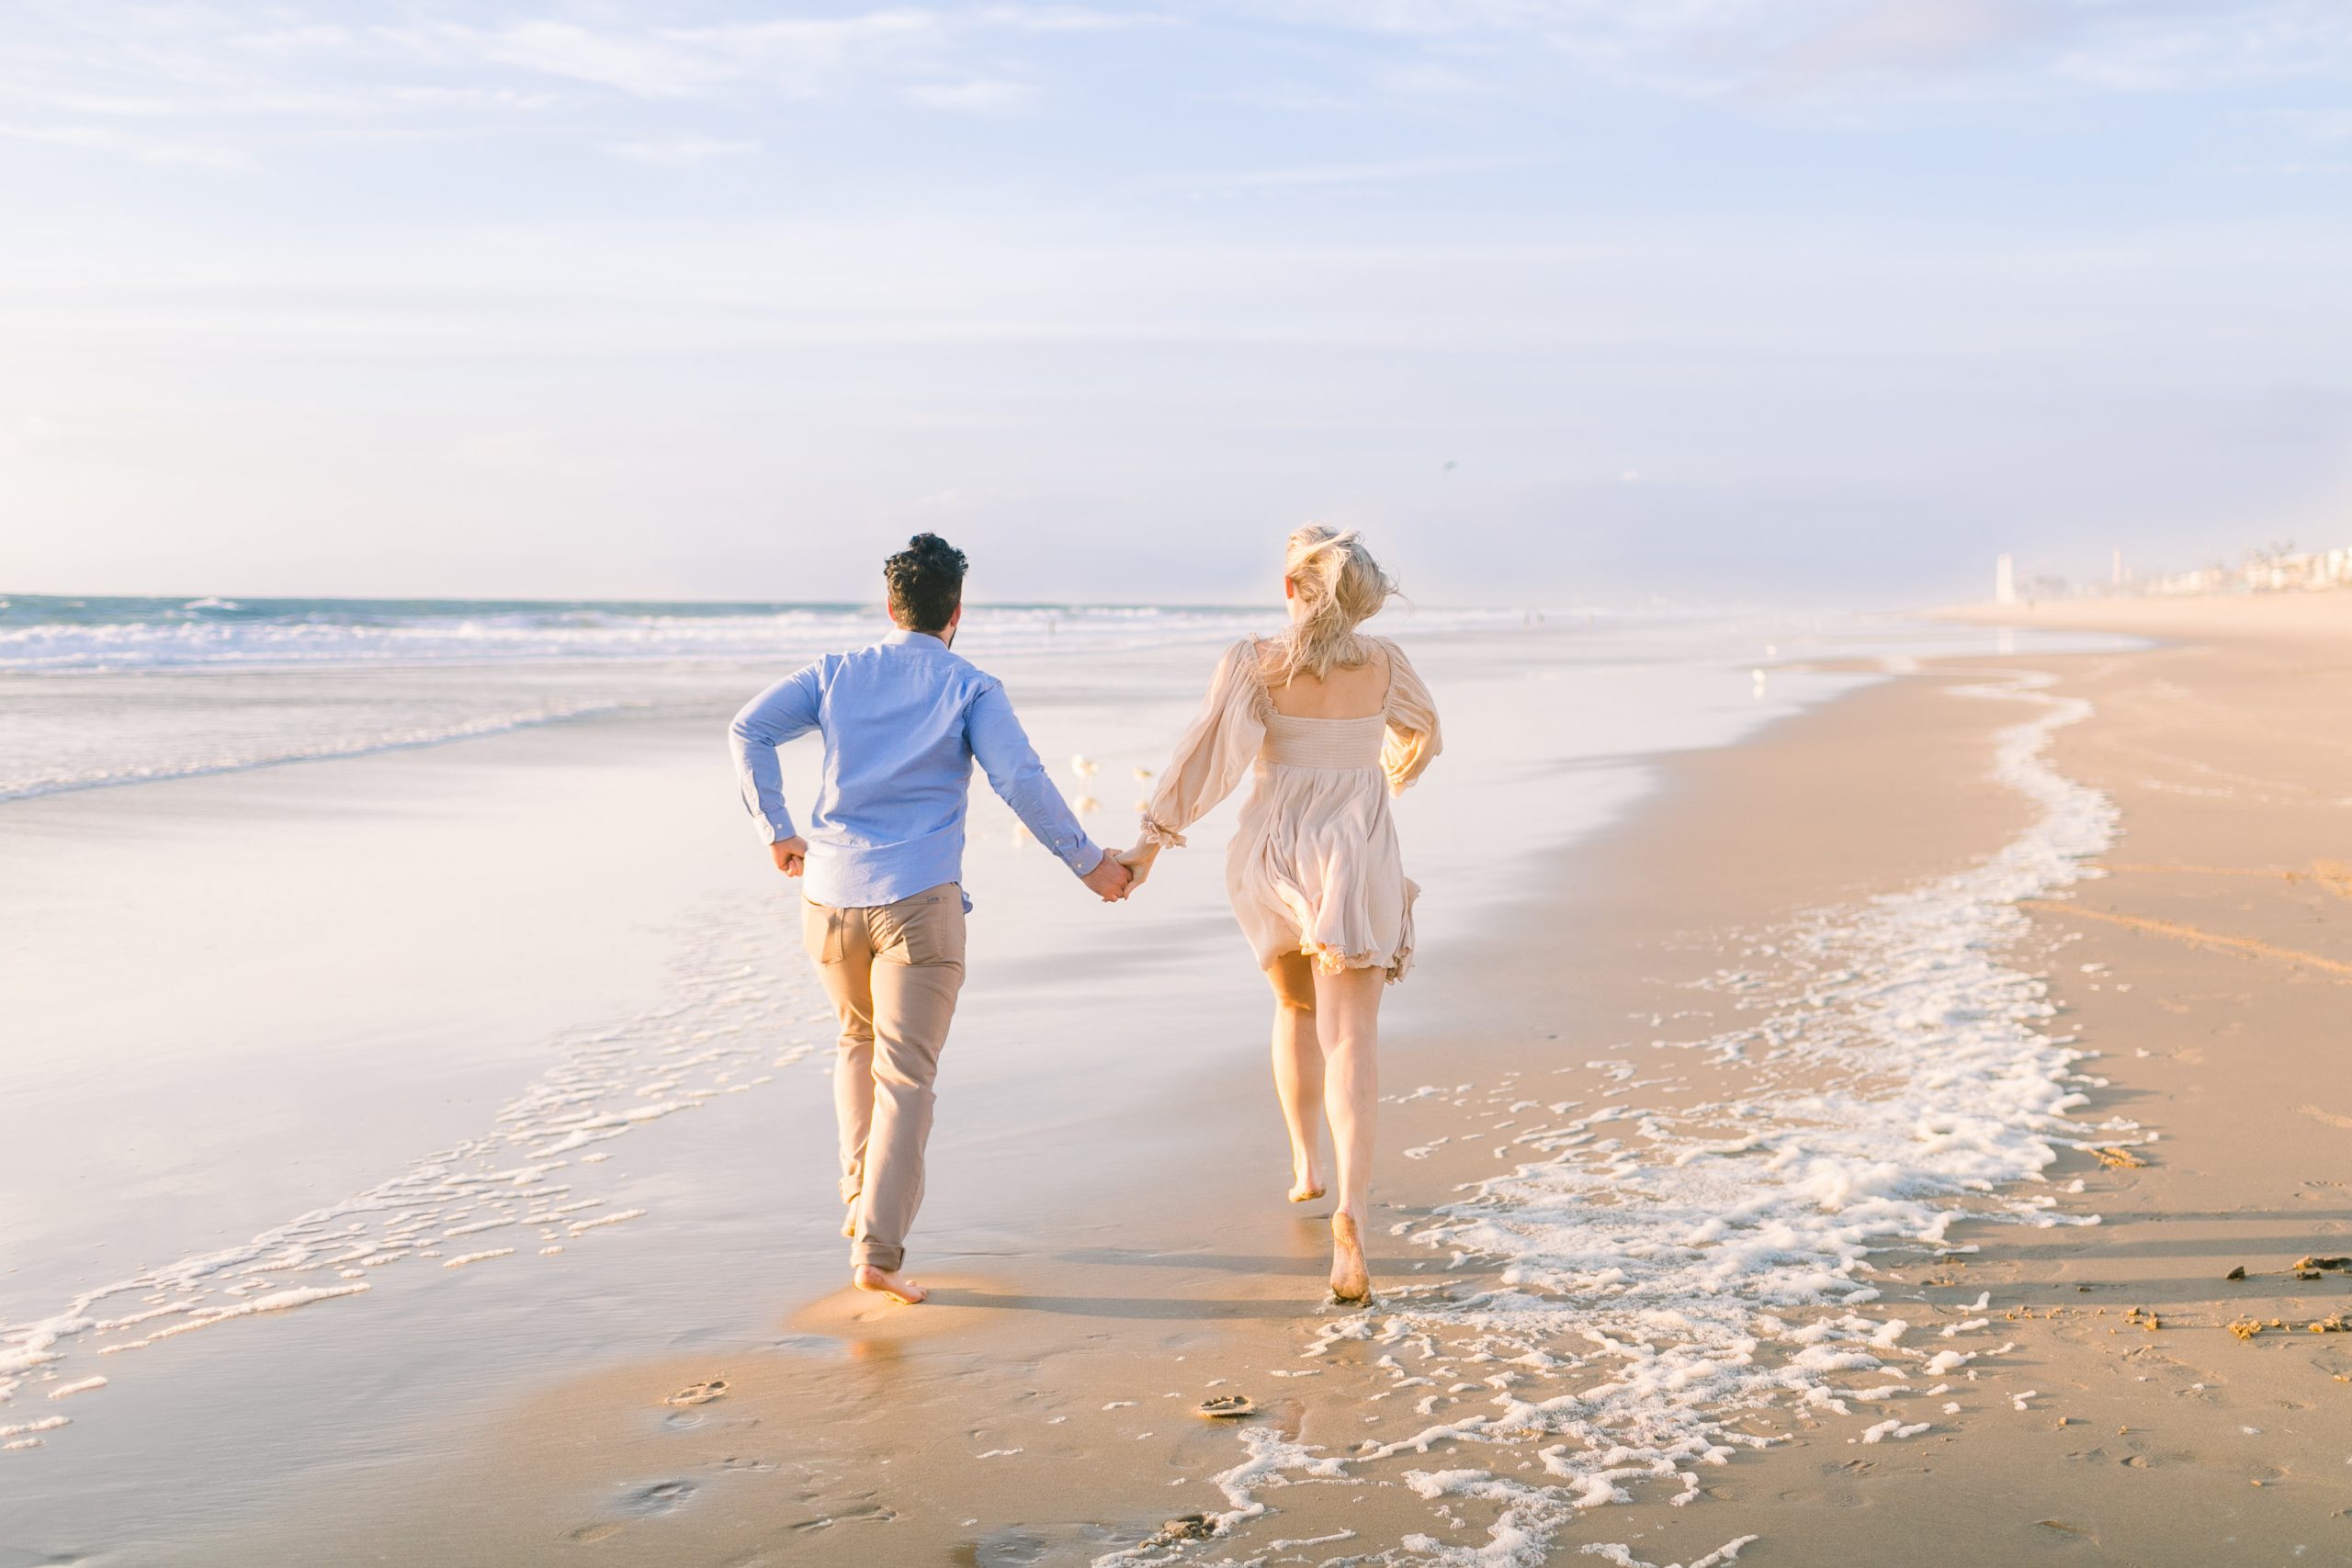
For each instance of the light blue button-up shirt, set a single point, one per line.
(902, 722)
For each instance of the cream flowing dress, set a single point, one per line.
(1314, 866)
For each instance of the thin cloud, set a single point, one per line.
(680, 151)
(72, 69)
(984, 95)
(2325, 126)
(1714, 48)
(1342, 173)
(162, 151)
(642, 65)
(1430, 79)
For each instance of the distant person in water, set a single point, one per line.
(902, 722)
(1332, 722)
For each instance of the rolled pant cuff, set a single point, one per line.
(875, 1255)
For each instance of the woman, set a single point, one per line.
(1334, 722)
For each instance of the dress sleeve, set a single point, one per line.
(1215, 752)
(1413, 742)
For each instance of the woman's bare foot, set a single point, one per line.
(1306, 1181)
(849, 1223)
(887, 1282)
(1351, 1279)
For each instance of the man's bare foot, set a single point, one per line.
(887, 1282)
(849, 1223)
(1351, 1279)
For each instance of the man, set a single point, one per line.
(902, 722)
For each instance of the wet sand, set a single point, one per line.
(2213, 968)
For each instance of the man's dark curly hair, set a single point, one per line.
(926, 581)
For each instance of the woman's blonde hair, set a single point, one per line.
(1339, 586)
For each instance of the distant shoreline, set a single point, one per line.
(2316, 612)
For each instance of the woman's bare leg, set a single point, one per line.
(1298, 1071)
(1347, 1019)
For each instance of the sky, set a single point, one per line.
(1561, 301)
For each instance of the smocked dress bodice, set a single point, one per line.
(1292, 742)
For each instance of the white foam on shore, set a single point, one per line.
(580, 1227)
(465, 1257)
(1660, 1282)
(1622, 1557)
(306, 747)
(726, 1007)
(275, 1301)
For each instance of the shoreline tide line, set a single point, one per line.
(2179, 932)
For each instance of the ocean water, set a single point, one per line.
(96, 692)
(47, 632)
(99, 692)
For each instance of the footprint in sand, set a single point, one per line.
(699, 1393)
(658, 1498)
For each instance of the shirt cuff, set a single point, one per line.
(1083, 856)
(772, 832)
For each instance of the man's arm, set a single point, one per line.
(785, 710)
(1016, 775)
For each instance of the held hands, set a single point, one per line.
(791, 854)
(1138, 862)
(1109, 879)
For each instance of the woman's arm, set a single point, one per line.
(1210, 758)
(1412, 741)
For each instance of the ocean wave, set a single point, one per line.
(96, 635)
(99, 693)
(49, 775)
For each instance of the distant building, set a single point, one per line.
(2271, 571)
(2310, 568)
(2282, 569)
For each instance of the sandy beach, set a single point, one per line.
(1796, 1041)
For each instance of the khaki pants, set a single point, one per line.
(892, 972)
